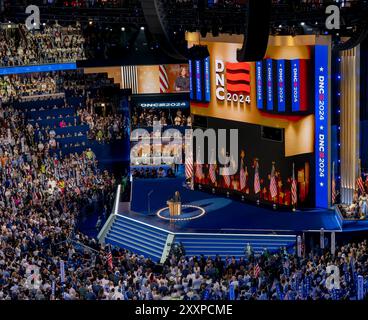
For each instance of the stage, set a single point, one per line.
(222, 214)
(226, 228)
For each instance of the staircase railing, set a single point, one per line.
(102, 234)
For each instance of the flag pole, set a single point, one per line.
(259, 195)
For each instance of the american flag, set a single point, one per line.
(257, 183)
(360, 184)
(359, 181)
(164, 79)
(109, 259)
(273, 186)
(243, 177)
(226, 177)
(294, 192)
(189, 166)
(333, 185)
(257, 270)
(199, 171)
(212, 172)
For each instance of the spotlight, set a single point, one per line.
(90, 23)
(122, 29)
(302, 23)
(142, 28)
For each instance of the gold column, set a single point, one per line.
(349, 121)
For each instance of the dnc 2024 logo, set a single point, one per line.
(233, 82)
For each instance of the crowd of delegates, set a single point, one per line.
(40, 200)
(144, 117)
(358, 209)
(92, 3)
(17, 86)
(104, 128)
(73, 83)
(152, 173)
(51, 43)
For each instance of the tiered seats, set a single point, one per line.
(48, 114)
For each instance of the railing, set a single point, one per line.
(101, 235)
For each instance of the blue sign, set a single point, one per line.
(207, 80)
(198, 80)
(38, 68)
(269, 85)
(191, 80)
(295, 85)
(281, 105)
(321, 127)
(259, 84)
(360, 285)
(164, 104)
(232, 291)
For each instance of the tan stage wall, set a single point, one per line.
(349, 121)
(113, 72)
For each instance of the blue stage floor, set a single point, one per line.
(222, 214)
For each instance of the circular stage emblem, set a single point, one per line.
(188, 212)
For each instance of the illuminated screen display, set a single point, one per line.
(160, 79)
(284, 93)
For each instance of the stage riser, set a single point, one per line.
(231, 245)
(146, 240)
(137, 237)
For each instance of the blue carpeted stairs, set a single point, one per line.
(149, 241)
(232, 244)
(137, 237)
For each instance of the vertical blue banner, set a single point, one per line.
(207, 79)
(281, 105)
(232, 291)
(198, 80)
(269, 85)
(295, 85)
(321, 127)
(360, 288)
(259, 79)
(191, 80)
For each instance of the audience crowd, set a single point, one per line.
(358, 209)
(51, 43)
(144, 117)
(151, 173)
(43, 256)
(104, 128)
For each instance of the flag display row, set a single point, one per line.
(283, 85)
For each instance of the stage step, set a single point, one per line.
(137, 237)
(149, 241)
(232, 244)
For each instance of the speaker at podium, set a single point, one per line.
(175, 205)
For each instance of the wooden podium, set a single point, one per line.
(174, 208)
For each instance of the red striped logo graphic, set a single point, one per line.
(238, 77)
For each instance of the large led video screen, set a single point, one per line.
(287, 90)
